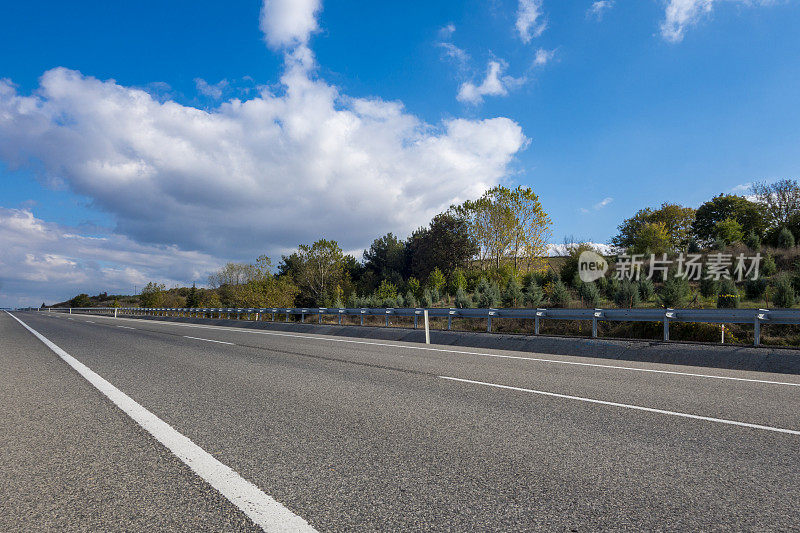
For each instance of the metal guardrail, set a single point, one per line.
(757, 317)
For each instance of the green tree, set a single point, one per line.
(728, 296)
(386, 291)
(668, 228)
(780, 200)
(463, 301)
(445, 244)
(386, 258)
(627, 294)
(457, 281)
(513, 296)
(729, 231)
(81, 300)
(785, 239)
(436, 280)
(674, 292)
(192, 299)
(784, 292)
(152, 295)
(559, 295)
(533, 294)
(727, 206)
(321, 268)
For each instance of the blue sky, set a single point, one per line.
(629, 104)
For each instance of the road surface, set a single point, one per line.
(339, 434)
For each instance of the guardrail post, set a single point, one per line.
(761, 314)
(287, 315)
(257, 316)
(667, 315)
(320, 317)
(387, 318)
(302, 317)
(115, 312)
(427, 328)
(340, 317)
(489, 322)
(597, 313)
(416, 316)
(273, 316)
(449, 320)
(70, 310)
(362, 317)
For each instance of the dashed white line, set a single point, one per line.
(261, 508)
(125, 327)
(208, 340)
(627, 406)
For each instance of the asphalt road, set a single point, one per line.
(365, 435)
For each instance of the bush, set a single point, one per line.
(560, 296)
(411, 300)
(590, 294)
(533, 294)
(708, 286)
(399, 302)
(784, 292)
(427, 299)
(513, 296)
(728, 296)
(463, 300)
(627, 294)
(768, 267)
(490, 297)
(785, 238)
(436, 297)
(754, 289)
(646, 289)
(612, 286)
(674, 292)
(753, 241)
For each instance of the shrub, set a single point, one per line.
(427, 299)
(463, 300)
(533, 294)
(674, 292)
(627, 294)
(400, 302)
(753, 241)
(784, 292)
(785, 238)
(436, 297)
(413, 286)
(457, 281)
(646, 289)
(489, 297)
(386, 291)
(411, 300)
(768, 267)
(590, 294)
(708, 287)
(612, 287)
(754, 289)
(728, 296)
(436, 280)
(513, 296)
(560, 296)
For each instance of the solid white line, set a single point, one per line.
(208, 340)
(461, 352)
(258, 506)
(125, 327)
(91, 322)
(628, 406)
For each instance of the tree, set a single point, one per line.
(507, 222)
(192, 299)
(320, 269)
(152, 295)
(445, 244)
(386, 258)
(81, 300)
(729, 231)
(652, 238)
(231, 274)
(513, 296)
(457, 281)
(727, 206)
(436, 280)
(673, 220)
(785, 239)
(779, 200)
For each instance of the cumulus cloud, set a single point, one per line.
(530, 19)
(599, 8)
(47, 262)
(494, 84)
(680, 14)
(293, 163)
(288, 23)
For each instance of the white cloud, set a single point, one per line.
(603, 203)
(48, 262)
(543, 57)
(680, 14)
(599, 8)
(253, 176)
(494, 84)
(288, 23)
(211, 90)
(530, 19)
(290, 165)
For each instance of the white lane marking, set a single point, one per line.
(627, 406)
(125, 327)
(208, 340)
(461, 352)
(258, 506)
